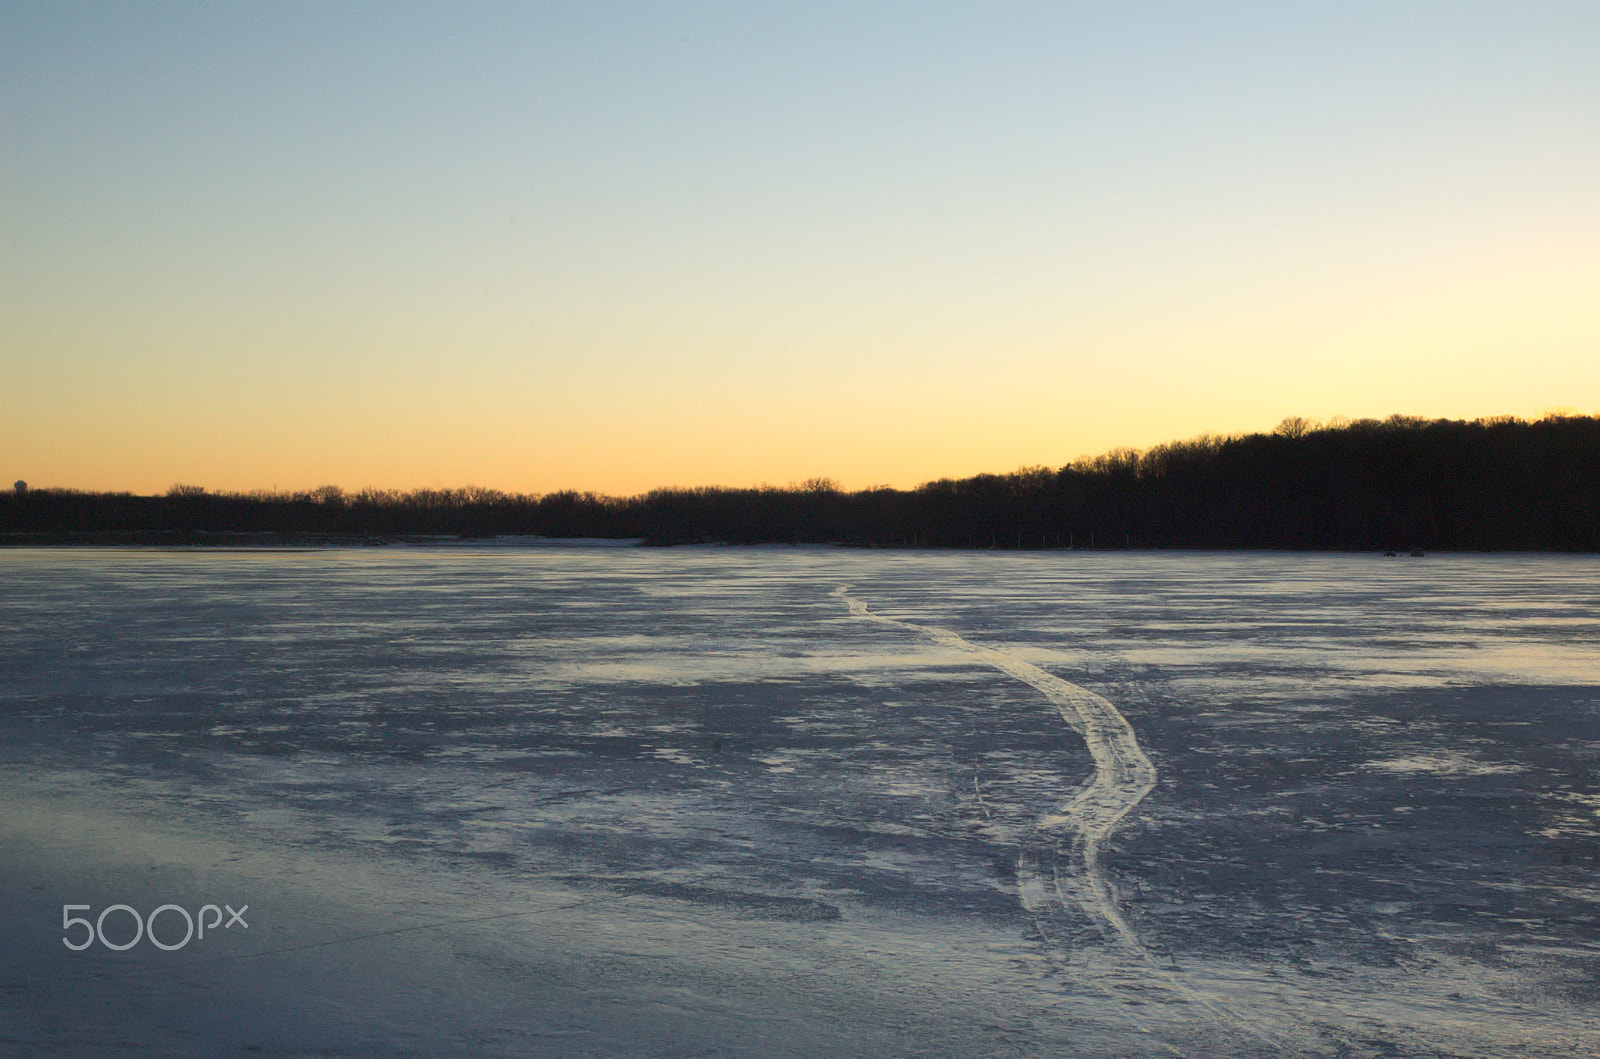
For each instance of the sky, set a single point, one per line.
(615, 247)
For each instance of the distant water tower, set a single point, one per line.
(20, 486)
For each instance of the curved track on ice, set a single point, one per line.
(1122, 773)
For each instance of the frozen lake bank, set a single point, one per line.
(1372, 826)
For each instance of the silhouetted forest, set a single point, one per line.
(1399, 483)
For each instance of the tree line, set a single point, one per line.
(1399, 483)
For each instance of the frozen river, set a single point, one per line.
(787, 801)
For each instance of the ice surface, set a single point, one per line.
(690, 801)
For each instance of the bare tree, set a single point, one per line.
(1294, 427)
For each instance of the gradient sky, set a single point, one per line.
(612, 247)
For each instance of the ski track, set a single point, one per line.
(1123, 776)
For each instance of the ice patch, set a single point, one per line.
(1447, 764)
(777, 764)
